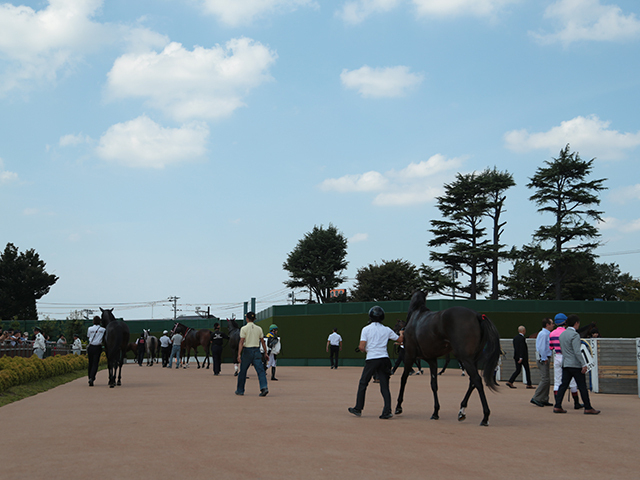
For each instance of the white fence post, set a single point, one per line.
(595, 384)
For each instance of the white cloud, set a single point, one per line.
(615, 224)
(39, 45)
(585, 134)
(359, 237)
(73, 140)
(415, 184)
(589, 20)
(30, 211)
(5, 175)
(239, 12)
(380, 82)
(460, 7)
(357, 11)
(145, 144)
(626, 194)
(203, 83)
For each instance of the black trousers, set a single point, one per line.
(216, 353)
(382, 368)
(334, 353)
(93, 354)
(581, 380)
(519, 366)
(166, 351)
(140, 354)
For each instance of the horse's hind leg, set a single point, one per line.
(461, 414)
(433, 367)
(119, 367)
(476, 381)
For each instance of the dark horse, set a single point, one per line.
(117, 340)
(469, 335)
(234, 341)
(192, 340)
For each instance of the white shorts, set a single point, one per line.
(557, 374)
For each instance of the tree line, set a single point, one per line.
(466, 248)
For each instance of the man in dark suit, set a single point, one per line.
(521, 357)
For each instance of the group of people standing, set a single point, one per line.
(558, 341)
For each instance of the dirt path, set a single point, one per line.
(189, 424)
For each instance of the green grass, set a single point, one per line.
(29, 389)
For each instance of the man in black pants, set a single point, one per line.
(217, 338)
(521, 356)
(95, 334)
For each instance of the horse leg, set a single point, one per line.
(433, 367)
(461, 414)
(447, 359)
(196, 356)
(403, 383)
(119, 367)
(206, 358)
(476, 381)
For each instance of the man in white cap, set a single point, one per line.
(165, 344)
(39, 345)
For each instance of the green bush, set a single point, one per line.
(18, 370)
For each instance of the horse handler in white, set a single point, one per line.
(373, 340)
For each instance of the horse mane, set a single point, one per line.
(418, 304)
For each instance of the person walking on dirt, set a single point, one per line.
(334, 347)
(217, 339)
(95, 333)
(251, 339)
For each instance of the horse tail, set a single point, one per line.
(491, 354)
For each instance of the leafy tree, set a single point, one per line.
(495, 184)
(74, 324)
(630, 289)
(464, 204)
(439, 281)
(562, 189)
(318, 261)
(392, 280)
(528, 279)
(23, 280)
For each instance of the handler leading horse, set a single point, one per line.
(117, 339)
(469, 335)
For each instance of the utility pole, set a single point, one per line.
(175, 307)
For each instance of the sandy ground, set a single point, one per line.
(189, 424)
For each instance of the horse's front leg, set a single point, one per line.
(433, 368)
(403, 383)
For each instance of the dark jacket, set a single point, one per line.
(520, 350)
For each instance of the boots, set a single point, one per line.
(273, 374)
(576, 403)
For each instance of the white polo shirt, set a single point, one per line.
(377, 337)
(334, 339)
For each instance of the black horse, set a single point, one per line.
(469, 335)
(117, 340)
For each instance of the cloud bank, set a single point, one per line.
(589, 135)
(241, 12)
(415, 184)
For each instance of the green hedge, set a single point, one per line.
(19, 370)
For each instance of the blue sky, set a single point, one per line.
(162, 147)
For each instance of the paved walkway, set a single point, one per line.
(188, 424)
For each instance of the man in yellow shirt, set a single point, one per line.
(251, 337)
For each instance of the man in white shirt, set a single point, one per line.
(39, 345)
(373, 340)
(95, 334)
(334, 343)
(77, 344)
(165, 345)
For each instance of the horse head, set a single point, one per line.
(107, 316)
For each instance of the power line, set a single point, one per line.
(627, 252)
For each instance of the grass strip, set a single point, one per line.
(19, 392)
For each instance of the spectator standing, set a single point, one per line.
(95, 334)
(554, 343)
(176, 341)
(521, 357)
(543, 357)
(373, 340)
(574, 366)
(39, 345)
(251, 339)
(165, 346)
(217, 340)
(334, 347)
(140, 347)
(76, 348)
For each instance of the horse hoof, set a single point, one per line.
(484, 424)
(435, 417)
(198, 366)
(119, 383)
(398, 410)
(461, 417)
(111, 385)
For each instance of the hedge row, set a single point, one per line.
(19, 370)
